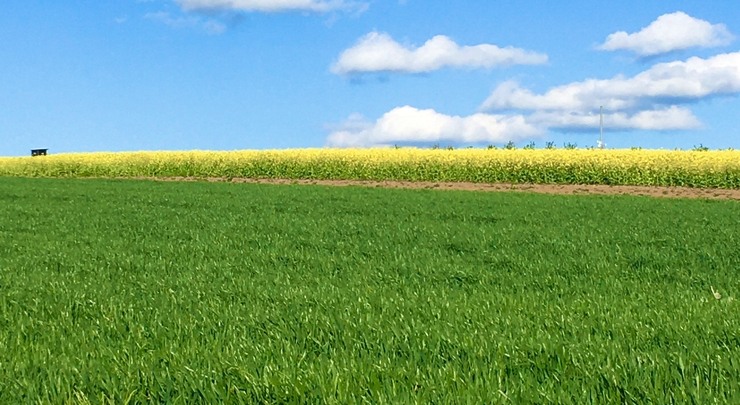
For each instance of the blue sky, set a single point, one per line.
(124, 75)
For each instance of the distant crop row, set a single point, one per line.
(697, 168)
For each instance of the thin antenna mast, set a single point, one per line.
(601, 127)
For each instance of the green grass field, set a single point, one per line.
(142, 291)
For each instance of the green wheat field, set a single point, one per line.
(126, 291)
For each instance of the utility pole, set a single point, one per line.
(601, 127)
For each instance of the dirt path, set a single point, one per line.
(665, 192)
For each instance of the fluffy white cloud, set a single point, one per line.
(269, 6)
(378, 52)
(670, 32)
(664, 84)
(408, 124)
(656, 99)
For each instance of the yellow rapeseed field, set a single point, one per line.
(717, 169)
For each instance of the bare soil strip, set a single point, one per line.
(567, 189)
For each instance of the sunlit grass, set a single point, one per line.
(198, 292)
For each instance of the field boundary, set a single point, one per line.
(559, 189)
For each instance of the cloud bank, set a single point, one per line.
(379, 52)
(670, 32)
(653, 100)
(663, 84)
(663, 119)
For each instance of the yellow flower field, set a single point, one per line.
(715, 169)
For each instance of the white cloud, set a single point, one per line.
(209, 25)
(670, 32)
(656, 99)
(268, 6)
(664, 84)
(671, 118)
(410, 125)
(378, 52)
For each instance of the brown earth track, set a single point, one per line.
(567, 189)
